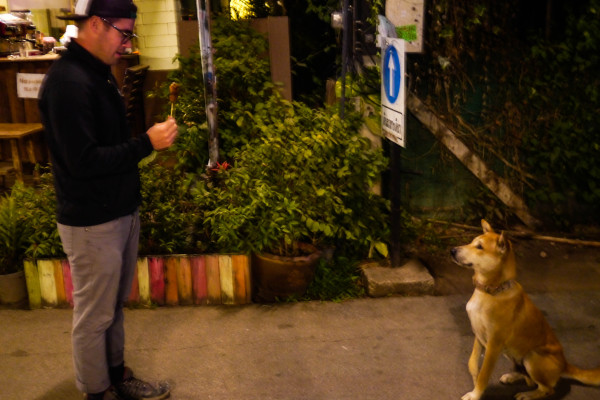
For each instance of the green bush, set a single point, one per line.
(242, 65)
(561, 145)
(14, 232)
(298, 173)
(171, 218)
(306, 177)
(337, 279)
(28, 219)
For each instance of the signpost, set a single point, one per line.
(393, 107)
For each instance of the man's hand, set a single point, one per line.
(163, 134)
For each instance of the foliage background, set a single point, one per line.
(289, 171)
(519, 83)
(517, 80)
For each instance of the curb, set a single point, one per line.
(411, 279)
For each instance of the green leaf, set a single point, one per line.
(382, 248)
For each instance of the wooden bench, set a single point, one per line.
(17, 134)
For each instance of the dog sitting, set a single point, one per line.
(504, 320)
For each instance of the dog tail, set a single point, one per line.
(586, 376)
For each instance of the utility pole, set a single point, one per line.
(346, 15)
(210, 80)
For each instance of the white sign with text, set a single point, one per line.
(28, 85)
(393, 107)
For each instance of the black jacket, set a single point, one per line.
(94, 159)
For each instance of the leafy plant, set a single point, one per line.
(244, 79)
(297, 174)
(170, 216)
(28, 224)
(14, 233)
(37, 205)
(261, 8)
(306, 177)
(561, 146)
(337, 279)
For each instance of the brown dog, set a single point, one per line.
(505, 320)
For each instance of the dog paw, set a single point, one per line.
(539, 393)
(511, 377)
(470, 396)
(524, 396)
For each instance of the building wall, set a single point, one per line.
(156, 27)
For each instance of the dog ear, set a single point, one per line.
(502, 243)
(486, 227)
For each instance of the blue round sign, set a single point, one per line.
(391, 74)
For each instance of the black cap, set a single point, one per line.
(102, 8)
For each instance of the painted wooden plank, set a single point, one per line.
(171, 295)
(184, 281)
(157, 280)
(61, 296)
(32, 279)
(134, 293)
(240, 269)
(47, 283)
(248, 277)
(199, 290)
(143, 276)
(199, 279)
(226, 276)
(213, 280)
(67, 281)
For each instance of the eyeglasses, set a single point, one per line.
(127, 36)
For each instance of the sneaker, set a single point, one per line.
(135, 389)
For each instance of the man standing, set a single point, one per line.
(94, 162)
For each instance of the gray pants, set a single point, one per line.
(103, 260)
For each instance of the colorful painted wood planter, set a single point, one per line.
(160, 280)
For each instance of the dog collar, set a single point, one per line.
(494, 290)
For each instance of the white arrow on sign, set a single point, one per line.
(392, 91)
(391, 78)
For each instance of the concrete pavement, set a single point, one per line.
(366, 349)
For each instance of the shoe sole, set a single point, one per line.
(163, 396)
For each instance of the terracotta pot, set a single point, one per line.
(13, 290)
(277, 277)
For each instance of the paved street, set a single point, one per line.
(388, 348)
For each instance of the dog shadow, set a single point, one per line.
(499, 391)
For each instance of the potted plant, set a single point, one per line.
(301, 183)
(35, 214)
(300, 176)
(252, 216)
(14, 235)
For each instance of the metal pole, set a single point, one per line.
(397, 249)
(210, 80)
(345, 38)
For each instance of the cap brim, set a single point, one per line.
(72, 17)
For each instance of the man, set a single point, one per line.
(94, 161)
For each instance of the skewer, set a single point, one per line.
(173, 93)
